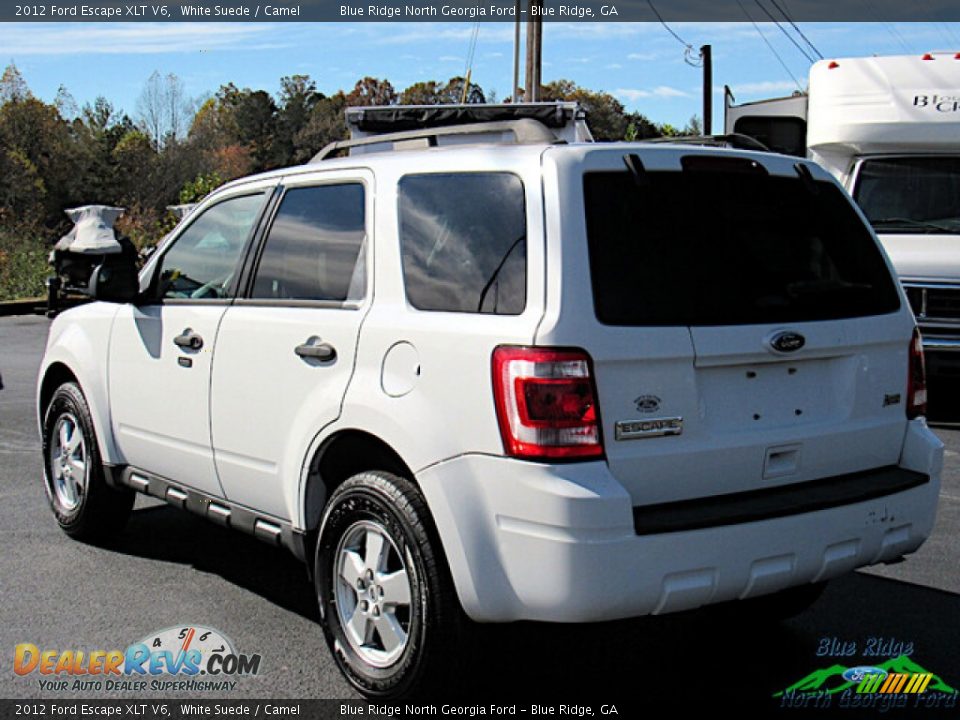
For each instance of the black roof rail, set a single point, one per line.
(731, 140)
(525, 132)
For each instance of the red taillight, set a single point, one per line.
(546, 403)
(927, 56)
(916, 379)
(833, 65)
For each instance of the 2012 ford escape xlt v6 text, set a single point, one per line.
(475, 373)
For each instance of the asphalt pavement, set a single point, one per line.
(171, 569)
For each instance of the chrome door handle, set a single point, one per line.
(188, 340)
(323, 352)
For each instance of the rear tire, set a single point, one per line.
(389, 611)
(85, 506)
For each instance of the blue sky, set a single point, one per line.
(640, 63)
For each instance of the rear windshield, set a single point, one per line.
(728, 248)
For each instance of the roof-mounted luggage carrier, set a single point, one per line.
(409, 127)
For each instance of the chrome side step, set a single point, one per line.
(271, 530)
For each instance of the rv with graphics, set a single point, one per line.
(888, 128)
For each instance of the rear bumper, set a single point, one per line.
(558, 542)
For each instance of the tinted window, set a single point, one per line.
(204, 259)
(463, 239)
(911, 195)
(315, 245)
(729, 248)
(787, 135)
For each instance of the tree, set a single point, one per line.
(255, 115)
(46, 149)
(298, 97)
(421, 93)
(452, 92)
(66, 104)
(163, 108)
(13, 88)
(371, 91)
(605, 114)
(326, 125)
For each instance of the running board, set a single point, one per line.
(267, 529)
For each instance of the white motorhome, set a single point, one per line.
(889, 129)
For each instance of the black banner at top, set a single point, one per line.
(479, 10)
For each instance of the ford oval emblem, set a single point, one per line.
(787, 341)
(856, 674)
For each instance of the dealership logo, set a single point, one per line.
(186, 657)
(897, 682)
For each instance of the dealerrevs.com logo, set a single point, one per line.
(187, 658)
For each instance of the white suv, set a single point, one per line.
(509, 381)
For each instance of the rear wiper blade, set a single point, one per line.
(910, 222)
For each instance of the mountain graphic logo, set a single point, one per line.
(830, 681)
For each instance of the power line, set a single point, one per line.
(770, 46)
(667, 27)
(784, 31)
(796, 27)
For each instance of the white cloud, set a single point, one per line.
(20, 40)
(450, 58)
(613, 66)
(642, 56)
(661, 91)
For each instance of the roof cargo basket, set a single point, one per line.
(405, 127)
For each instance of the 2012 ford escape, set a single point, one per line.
(522, 379)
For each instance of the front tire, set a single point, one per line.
(389, 611)
(85, 506)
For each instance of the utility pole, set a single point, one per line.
(534, 51)
(706, 55)
(515, 91)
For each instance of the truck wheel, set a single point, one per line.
(389, 610)
(86, 507)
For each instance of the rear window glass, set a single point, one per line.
(728, 248)
(463, 241)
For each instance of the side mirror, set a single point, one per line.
(114, 282)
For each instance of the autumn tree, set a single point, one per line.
(371, 91)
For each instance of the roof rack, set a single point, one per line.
(525, 131)
(731, 140)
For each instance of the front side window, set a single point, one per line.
(315, 247)
(205, 258)
(463, 237)
(911, 194)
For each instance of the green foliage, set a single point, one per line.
(23, 267)
(197, 189)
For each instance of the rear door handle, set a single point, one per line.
(324, 352)
(188, 340)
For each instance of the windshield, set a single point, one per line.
(911, 194)
(728, 248)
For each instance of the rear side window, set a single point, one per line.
(315, 247)
(463, 241)
(729, 248)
